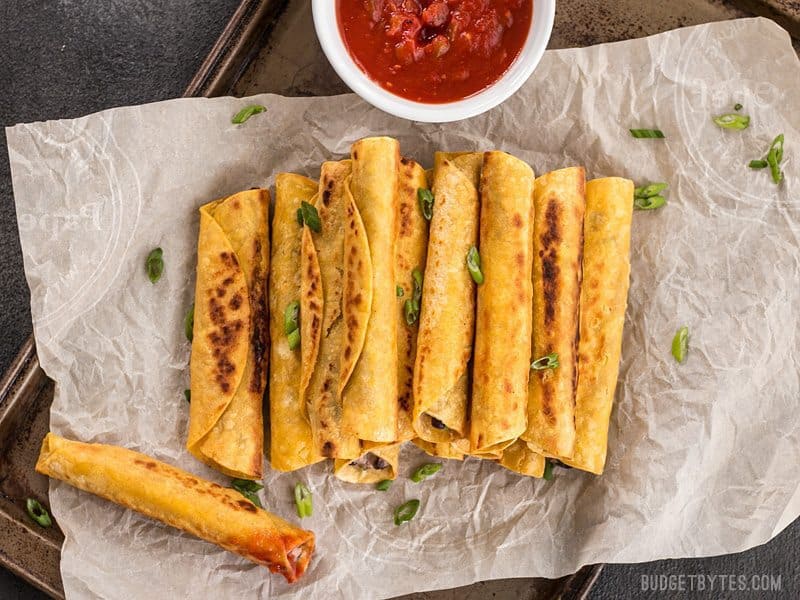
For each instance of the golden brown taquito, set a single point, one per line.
(321, 263)
(559, 205)
(291, 443)
(378, 462)
(170, 495)
(604, 294)
(504, 312)
(447, 319)
(369, 394)
(412, 246)
(229, 348)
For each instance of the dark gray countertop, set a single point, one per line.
(71, 57)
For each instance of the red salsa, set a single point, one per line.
(434, 50)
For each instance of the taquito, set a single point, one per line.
(291, 443)
(559, 205)
(173, 496)
(519, 458)
(377, 463)
(447, 318)
(503, 324)
(228, 367)
(368, 382)
(322, 328)
(412, 246)
(604, 294)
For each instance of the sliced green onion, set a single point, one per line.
(758, 164)
(425, 198)
(291, 317)
(155, 264)
(732, 121)
(647, 133)
(549, 361)
(310, 216)
(300, 217)
(384, 485)
(410, 311)
(246, 485)
(247, 112)
(649, 190)
(680, 344)
(188, 323)
(405, 512)
(188, 395)
(548, 470)
(649, 203)
(302, 499)
(737, 106)
(474, 265)
(774, 158)
(416, 275)
(399, 291)
(38, 513)
(425, 471)
(294, 339)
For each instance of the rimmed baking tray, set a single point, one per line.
(270, 46)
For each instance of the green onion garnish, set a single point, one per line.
(416, 275)
(548, 470)
(291, 317)
(302, 499)
(300, 217)
(650, 203)
(647, 133)
(310, 216)
(188, 395)
(474, 265)
(425, 471)
(38, 513)
(732, 121)
(248, 489)
(399, 291)
(425, 198)
(188, 323)
(549, 361)
(737, 106)
(247, 112)
(384, 485)
(758, 164)
(680, 344)
(406, 512)
(155, 264)
(294, 339)
(649, 190)
(774, 158)
(410, 311)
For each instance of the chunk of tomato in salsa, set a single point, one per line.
(434, 50)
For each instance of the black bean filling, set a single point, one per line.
(437, 424)
(370, 461)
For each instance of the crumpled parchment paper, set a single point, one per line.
(703, 456)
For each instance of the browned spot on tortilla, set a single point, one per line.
(550, 269)
(220, 292)
(326, 197)
(357, 299)
(405, 161)
(547, 402)
(348, 350)
(248, 506)
(227, 281)
(519, 257)
(355, 154)
(514, 406)
(328, 449)
(147, 464)
(236, 203)
(236, 301)
(406, 227)
(507, 387)
(516, 220)
(229, 259)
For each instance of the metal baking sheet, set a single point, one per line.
(270, 46)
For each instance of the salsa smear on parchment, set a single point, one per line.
(434, 50)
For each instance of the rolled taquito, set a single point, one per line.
(412, 246)
(518, 457)
(291, 443)
(504, 311)
(368, 382)
(199, 507)
(377, 462)
(559, 205)
(604, 294)
(447, 317)
(228, 367)
(322, 327)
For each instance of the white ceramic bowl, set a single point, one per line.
(330, 38)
